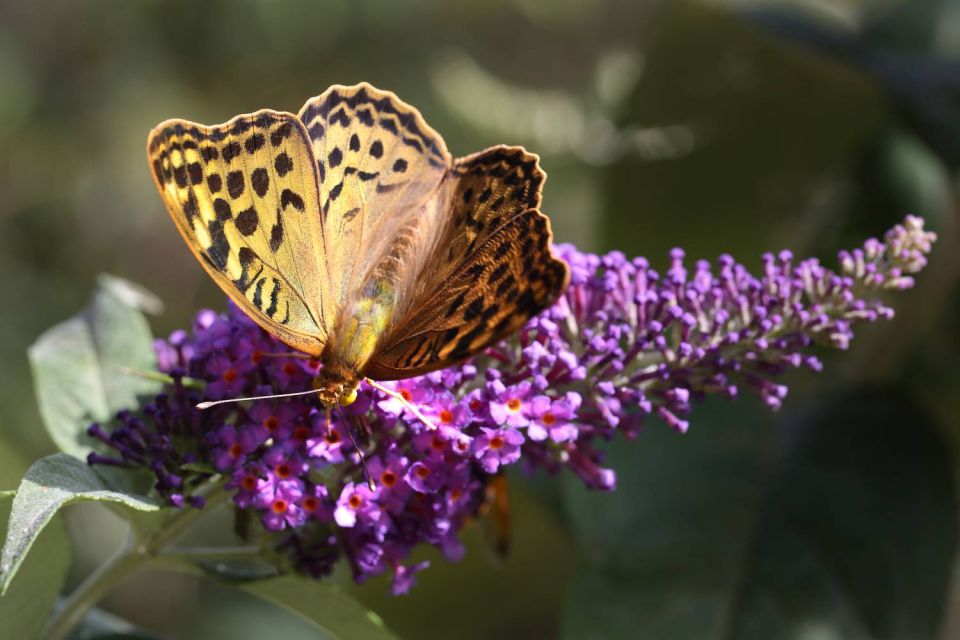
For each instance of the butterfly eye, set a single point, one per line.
(349, 398)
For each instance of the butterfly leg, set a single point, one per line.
(406, 403)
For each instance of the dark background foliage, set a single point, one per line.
(736, 126)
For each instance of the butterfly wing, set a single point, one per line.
(489, 272)
(244, 195)
(379, 166)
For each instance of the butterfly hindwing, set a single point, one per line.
(244, 197)
(490, 273)
(511, 278)
(380, 166)
(485, 189)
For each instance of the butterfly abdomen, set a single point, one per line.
(361, 325)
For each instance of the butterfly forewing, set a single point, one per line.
(244, 196)
(380, 167)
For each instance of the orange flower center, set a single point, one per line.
(272, 423)
(496, 443)
(301, 433)
(332, 437)
(249, 482)
(438, 444)
(355, 501)
(283, 471)
(230, 375)
(256, 357)
(548, 419)
(422, 472)
(406, 395)
(289, 368)
(475, 405)
(514, 404)
(446, 417)
(388, 478)
(279, 506)
(310, 504)
(455, 494)
(313, 363)
(235, 450)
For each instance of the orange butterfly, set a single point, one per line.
(349, 233)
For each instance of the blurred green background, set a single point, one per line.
(728, 126)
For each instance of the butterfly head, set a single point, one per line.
(334, 389)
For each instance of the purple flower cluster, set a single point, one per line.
(624, 342)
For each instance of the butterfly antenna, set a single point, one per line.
(207, 405)
(406, 403)
(353, 441)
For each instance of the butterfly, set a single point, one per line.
(348, 232)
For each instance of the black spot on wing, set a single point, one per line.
(335, 158)
(260, 181)
(340, 117)
(506, 285)
(254, 143)
(288, 197)
(276, 235)
(231, 151)
(456, 304)
(219, 249)
(196, 172)
(281, 133)
(364, 116)
(180, 175)
(389, 125)
(258, 294)
(235, 184)
(283, 164)
(191, 208)
(473, 309)
(222, 208)
(247, 221)
(498, 273)
(274, 297)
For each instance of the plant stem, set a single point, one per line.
(140, 550)
(122, 564)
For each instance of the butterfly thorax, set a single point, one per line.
(358, 329)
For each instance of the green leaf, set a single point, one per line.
(50, 484)
(323, 605)
(81, 366)
(843, 519)
(26, 605)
